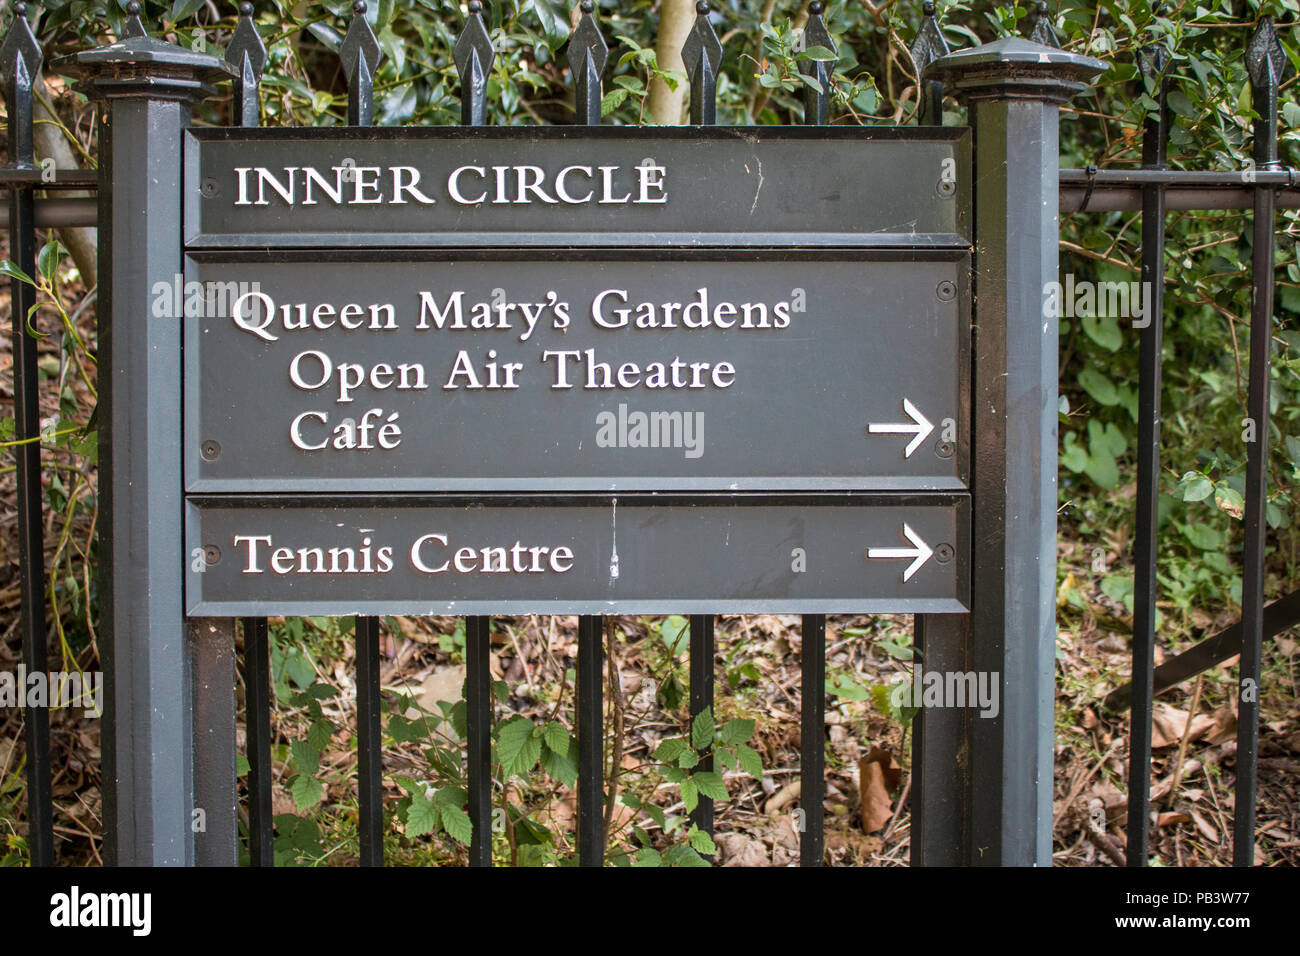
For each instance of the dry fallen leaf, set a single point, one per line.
(878, 775)
(1172, 819)
(1169, 724)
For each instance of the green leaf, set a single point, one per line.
(710, 784)
(684, 856)
(688, 759)
(422, 816)
(556, 737)
(184, 8)
(518, 748)
(1098, 386)
(318, 735)
(555, 22)
(670, 750)
(241, 765)
(307, 792)
(10, 269)
(749, 761)
(701, 841)
(818, 53)
(560, 766)
(1196, 487)
(306, 758)
(737, 730)
(647, 857)
(690, 794)
(702, 729)
(457, 824)
(1104, 330)
(674, 632)
(612, 101)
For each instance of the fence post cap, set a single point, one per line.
(139, 66)
(1015, 68)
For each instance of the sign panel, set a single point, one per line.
(593, 555)
(582, 373)
(559, 186)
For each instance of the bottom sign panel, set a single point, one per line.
(637, 554)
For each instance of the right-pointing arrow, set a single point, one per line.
(920, 428)
(920, 552)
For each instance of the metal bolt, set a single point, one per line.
(211, 554)
(208, 188)
(944, 449)
(946, 189)
(943, 553)
(210, 450)
(946, 290)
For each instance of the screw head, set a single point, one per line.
(211, 554)
(210, 450)
(208, 188)
(946, 189)
(943, 553)
(944, 449)
(946, 290)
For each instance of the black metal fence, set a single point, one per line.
(952, 815)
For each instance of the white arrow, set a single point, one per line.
(921, 552)
(920, 427)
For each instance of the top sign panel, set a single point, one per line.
(577, 186)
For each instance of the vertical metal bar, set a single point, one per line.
(20, 61)
(591, 741)
(702, 56)
(588, 54)
(1014, 89)
(478, 720)
(360, 55)
(702, 652)
(474, 55)
(257, 730)
(1265, 62)
(1152, 60)
(940, 800)
(370, 753)
(246, 55)
(817, 102)
(812, 741)
(216, 797)
(147, 737)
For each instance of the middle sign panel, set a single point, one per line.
(574, 372)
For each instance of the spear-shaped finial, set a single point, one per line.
(133, 28)
(588, 54)
(247, 55)
(473, 54)
(20, 63)
(702, 56)
(817, 101)
(1267, 64)
(360, 56)
(1043, 31)
(928, 46)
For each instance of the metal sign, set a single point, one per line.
(560, 186)
(630, 554)
(581, 373)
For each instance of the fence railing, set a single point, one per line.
(1154, 188)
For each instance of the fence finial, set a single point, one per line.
(588, 54)
(246, 54)
(702, 55)
(133, 28)
(474, 55)
(1267, 64)
(19, 47)
(928, 46)
(1043, 31)
(817, 101)
(360, 56)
